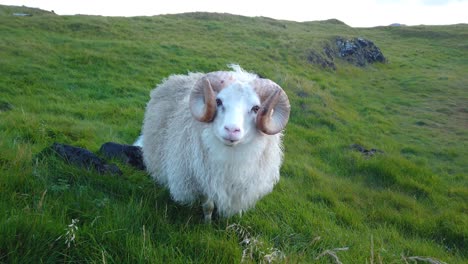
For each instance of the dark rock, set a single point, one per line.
(84, 158)
(128, 154)
(364, 151)
(359, 51)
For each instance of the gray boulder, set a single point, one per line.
(359, 51)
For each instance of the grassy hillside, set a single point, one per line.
(85, 80)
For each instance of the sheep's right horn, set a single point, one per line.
(203, 95)
(202, 101)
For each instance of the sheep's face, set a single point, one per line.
(237, 106)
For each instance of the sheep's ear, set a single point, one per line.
(203, 95)
(273, 114)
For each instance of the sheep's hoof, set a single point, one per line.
(208, 207)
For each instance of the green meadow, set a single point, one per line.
(85, 80)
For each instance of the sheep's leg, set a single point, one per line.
(208, 207)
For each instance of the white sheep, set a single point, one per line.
(216, 137)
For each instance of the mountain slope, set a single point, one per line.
(85, 80)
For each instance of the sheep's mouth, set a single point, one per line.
(230, 142)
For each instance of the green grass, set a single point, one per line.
(85, 80)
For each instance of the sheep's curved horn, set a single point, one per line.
(202, 101)
(273, 114)
(203, 95)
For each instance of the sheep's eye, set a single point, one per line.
(219, 102)
(255, 108)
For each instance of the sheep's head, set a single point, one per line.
(239, 104)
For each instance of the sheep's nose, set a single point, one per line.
(232, 130)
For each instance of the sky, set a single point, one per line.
(355, 13)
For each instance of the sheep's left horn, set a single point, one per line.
(273, 114)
